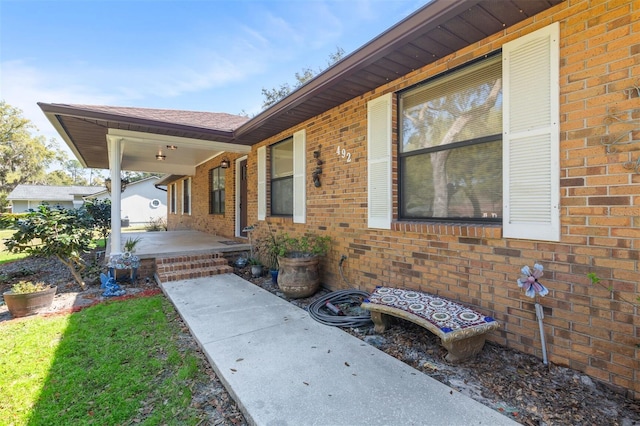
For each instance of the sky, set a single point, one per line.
(201, 55)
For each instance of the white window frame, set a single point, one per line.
(173, 199)
(186, 192)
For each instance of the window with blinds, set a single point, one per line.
(451, 146)
(282, 178)
(216, 190)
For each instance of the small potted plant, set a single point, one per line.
(28, 298)
(130, 244)
(256, 267)
(269, 249)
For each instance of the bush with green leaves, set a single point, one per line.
(100, 212)
(55, 231)
(7, 219)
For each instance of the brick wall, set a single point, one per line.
(588, 327)
(200, 219)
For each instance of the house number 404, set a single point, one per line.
(343, 153)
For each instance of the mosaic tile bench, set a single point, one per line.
(461, 330)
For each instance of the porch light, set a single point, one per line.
(123, 184)
(225, 163)
(172, 147)
(160, 156)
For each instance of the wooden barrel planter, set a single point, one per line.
(299, 276)
(24, 304)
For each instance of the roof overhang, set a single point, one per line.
(435, 31)
(143, 132)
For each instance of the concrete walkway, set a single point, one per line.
(284, 368)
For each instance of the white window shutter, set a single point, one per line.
(531, 145)
(299, 177)
(262, 183)
(379, 162)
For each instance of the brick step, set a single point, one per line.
(187, 257)
(190, 264)
(194, 273)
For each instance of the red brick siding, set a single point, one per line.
(200, 219)
(587, 327)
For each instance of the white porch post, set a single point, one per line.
(115, 158)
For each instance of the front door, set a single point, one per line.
(242, 193)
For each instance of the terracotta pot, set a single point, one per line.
(299, 276)
(21, 305)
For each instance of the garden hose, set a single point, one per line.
(324, 315)
(329, 309)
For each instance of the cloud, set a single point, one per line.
(24, 84)
(206, 66)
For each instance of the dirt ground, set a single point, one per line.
(515, 384)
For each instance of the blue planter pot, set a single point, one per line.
(274, 276)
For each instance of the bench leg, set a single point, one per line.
(460, 350)
(380, 321)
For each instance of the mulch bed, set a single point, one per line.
(516, 384)
(513, 383)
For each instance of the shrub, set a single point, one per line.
(24, 287)
(8, 219)
(55, 231)
(156, 224)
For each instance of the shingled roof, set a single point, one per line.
(51, 193)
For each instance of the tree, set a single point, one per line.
(55, 231)
(272, 96)
(59, 177)
(100, 212)
(136, 176)
(24, 158)
(75, 169)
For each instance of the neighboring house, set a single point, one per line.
(142, 202)
(470, 139)
(25, 197)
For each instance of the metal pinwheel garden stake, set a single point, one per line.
(534, 289)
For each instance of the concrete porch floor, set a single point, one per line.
(173, 243)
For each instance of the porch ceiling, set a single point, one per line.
(198, 136)
(436, 30)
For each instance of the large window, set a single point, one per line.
(216, 192)
(282, 178)
(186, 196)
(451, 146)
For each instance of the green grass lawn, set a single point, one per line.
(113, 363)
(5, 256)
